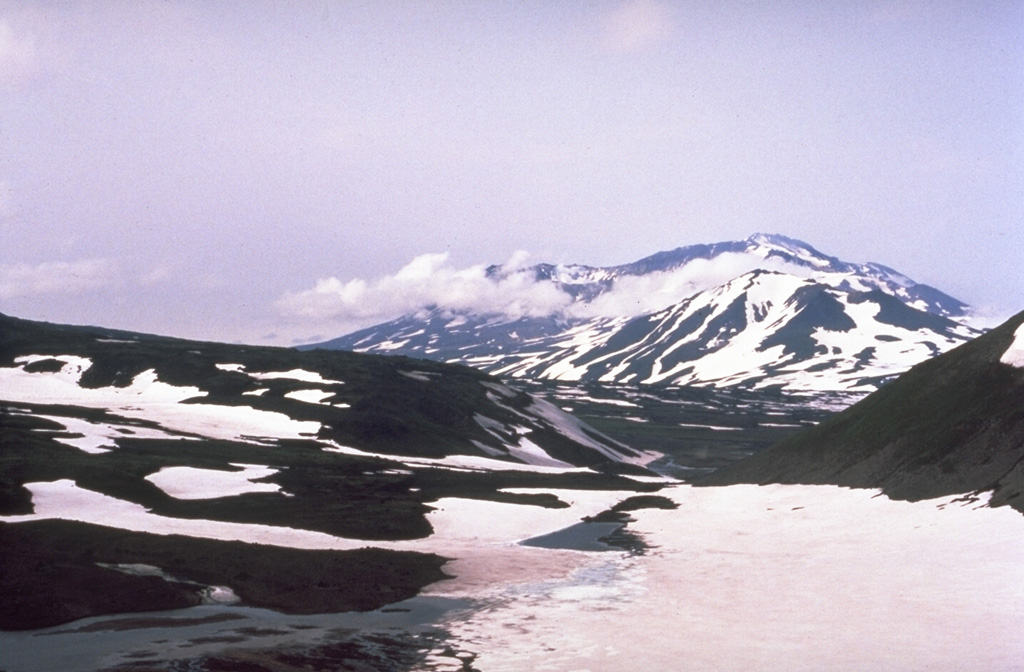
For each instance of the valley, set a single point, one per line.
(169, 505)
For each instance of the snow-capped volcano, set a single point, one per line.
(760, 329)
(765, 311)
(676, 274)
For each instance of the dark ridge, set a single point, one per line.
(58, 559)
(898, 314)
(950, 425)
(817, 308)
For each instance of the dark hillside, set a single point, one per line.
(953, 424)
(379, 441)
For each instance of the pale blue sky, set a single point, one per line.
(179, 167)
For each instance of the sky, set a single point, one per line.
(195, 169)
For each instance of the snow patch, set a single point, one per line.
(1014, 355)
(309, 396)
(150, 399)
(193, 483)
(101, 437)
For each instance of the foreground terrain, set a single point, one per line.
(402, 552)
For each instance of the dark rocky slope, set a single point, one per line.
(399, 412)
(953, 424)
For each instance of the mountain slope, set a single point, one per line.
(767, 311)
(950, 425)
(299, 481)
(395, 406)
(761, 329)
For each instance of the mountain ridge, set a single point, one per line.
(577, 343)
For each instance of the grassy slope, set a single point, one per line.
(953, 424)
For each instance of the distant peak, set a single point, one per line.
(777, 240)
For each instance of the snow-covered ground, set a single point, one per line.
(769, 578)
(100, 437)
(295, 374)
(737, 578)
(461, 526)
(151, 399)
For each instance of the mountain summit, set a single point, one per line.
(765, 311)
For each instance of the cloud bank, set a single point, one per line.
(636, 24)
(17, 55)
(54, 277)
(428, 280)
(634, 295)
(431, 281)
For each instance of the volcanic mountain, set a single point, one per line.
(768, 311)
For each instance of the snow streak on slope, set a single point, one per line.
(150, 399)
(761, 329)
(1014, 355)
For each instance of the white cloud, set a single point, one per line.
(428, 280)
(54, 277)
(639, 295)
(636, 24)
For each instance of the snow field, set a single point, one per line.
(294, 374)
(775, 578)
(737, 578)
(463, 528)
(150, 399)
